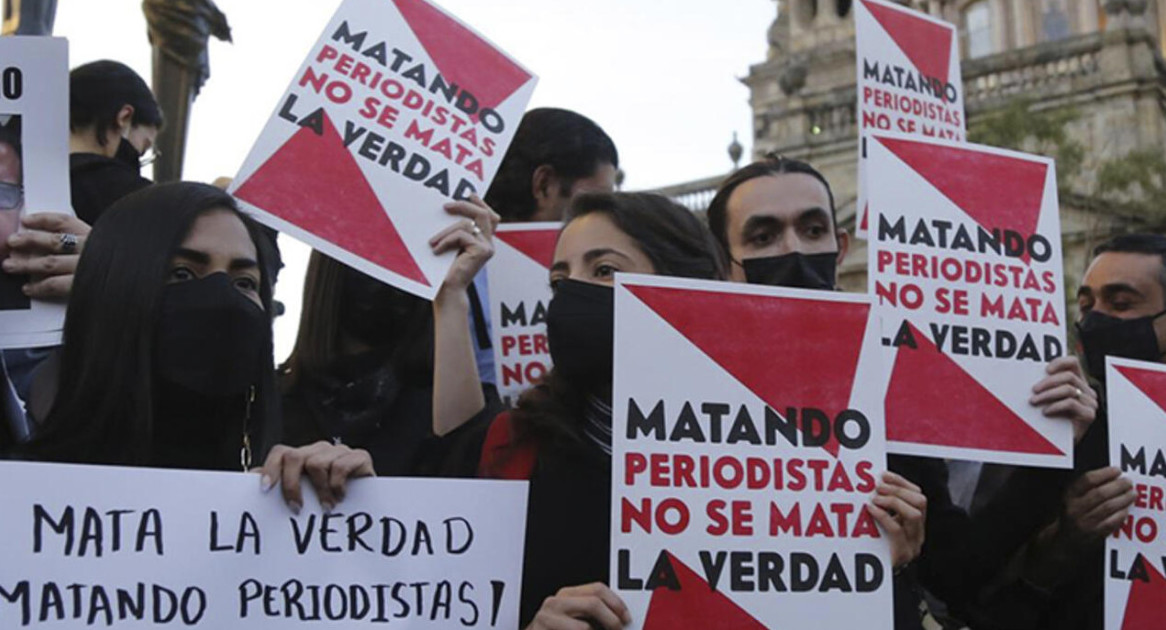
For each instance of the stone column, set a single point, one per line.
(1088, 16)
(1024, 31)
(998, 10)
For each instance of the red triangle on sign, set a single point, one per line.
(314, 183)
(1151, 382)
(538, 245)
(996, 191)
(926, 44)
(960, 414)
(695, 605)
(461, 56)
(789, 352)
(865, 214)
(1146, 604)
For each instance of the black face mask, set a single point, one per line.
(211, 340)
(372, 312)
(581, 331)
(128, 155)
(1104, 335)
(794, 270)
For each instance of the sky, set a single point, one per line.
(662, 78)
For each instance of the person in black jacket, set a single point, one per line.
(1058, 581)
(775, 220)
(113, 122)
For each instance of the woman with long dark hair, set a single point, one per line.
(377, 368)
(559, 435)
(167, 356)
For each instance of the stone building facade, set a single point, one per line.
(1101, 58)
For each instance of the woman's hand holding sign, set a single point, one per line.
(327, 466)
(582, 608)
(900, 507)
(457, 389)
(473, 239)
(48, 249)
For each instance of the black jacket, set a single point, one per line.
(97, 181)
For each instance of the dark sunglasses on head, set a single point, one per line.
(11, 196)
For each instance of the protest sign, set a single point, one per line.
(34, 170)
(87, 546)
(1135, 555)
(519, 280)
(747, 439)
(965, 268)
(398, 109)
(909, 82)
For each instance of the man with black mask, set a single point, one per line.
(1121, 306)
(775, 220)
(1122, 300)
(113, 121)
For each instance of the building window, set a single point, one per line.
(843, 8)
(1054, 20)
(978, 29)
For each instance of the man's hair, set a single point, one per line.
(98, 91)
(771, 164)
(568, 142)
(1151, 244)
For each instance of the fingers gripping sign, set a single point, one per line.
(900, 508)
(472, 238)
(1095, 504)
(1065, 393)
(47, 249)
(583, 608)
(327, 466)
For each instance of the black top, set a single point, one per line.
(1077, 601)
(568, 524)
(97, 181)
(367, 406)
(962, 553)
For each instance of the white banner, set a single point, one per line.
(87, 546)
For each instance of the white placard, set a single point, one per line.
(747, 440)
(966, 272)
(909, 82)
(520, 292)
(1135, 555)
(34, 99)
(398, 109)
(89, 546)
